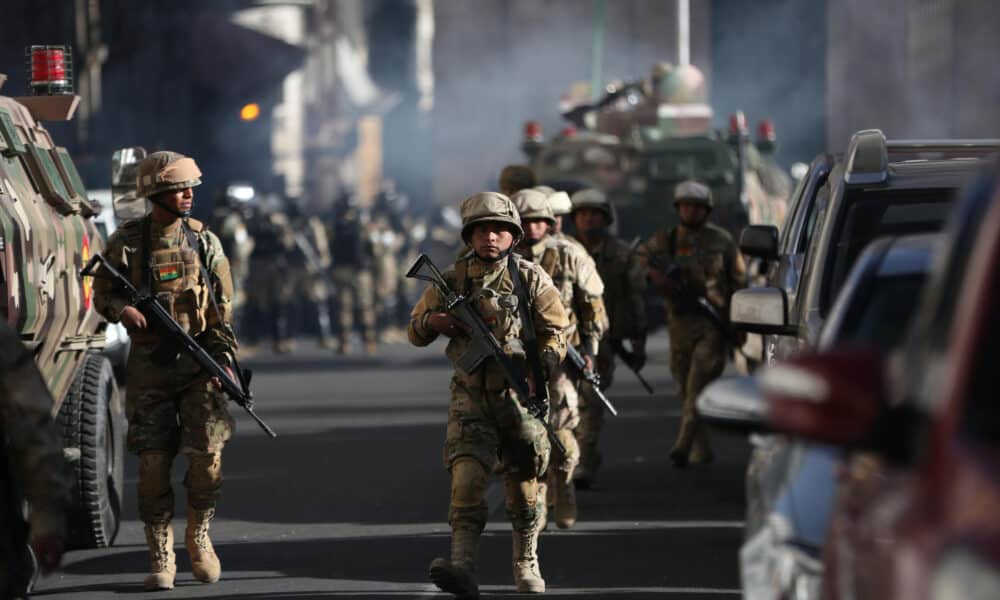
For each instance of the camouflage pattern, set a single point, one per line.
(47, 234)
(387, 243)
(484, 416)
(714, 268)
(274, 259)
(237, 243)
(355, 291)
(624, 286)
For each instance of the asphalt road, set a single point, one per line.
(351, 500)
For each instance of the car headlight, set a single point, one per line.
(964, 575)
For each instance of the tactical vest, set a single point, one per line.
(171, 274)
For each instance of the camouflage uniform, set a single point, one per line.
(580, 288)
(352, 252)
(485, 417)
(171, 405)
(313, 273)
(713, 267)
(624, 284)
(276, 270)
(30, 446)
(386, 245)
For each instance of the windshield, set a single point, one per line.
(869, 215)
(880, 317)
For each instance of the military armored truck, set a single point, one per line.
(47, 234)
(642, 138)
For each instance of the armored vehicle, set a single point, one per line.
(47, 234)
(642, 138)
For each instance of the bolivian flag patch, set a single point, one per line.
(168, 272)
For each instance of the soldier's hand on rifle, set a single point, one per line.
(446, 324)
(588, 362)
(132, 318)
(232, 376)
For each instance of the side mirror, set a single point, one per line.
(735, 404)
(834, 397)
(124, 164)
(761, 310)
(760, 241)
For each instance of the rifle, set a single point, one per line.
(149, 306)
(484, 345)
(629, 359)
(308, 253)
(589, 376)
(685, 298)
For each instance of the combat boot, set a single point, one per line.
(162, 562)
(205, 564)
(345, 345)
(458, 575)
(565, 509)
(527, 573)
(701, 450)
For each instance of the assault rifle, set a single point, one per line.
(589, 376)
(153, 310)
(483, 345)
(685, 298)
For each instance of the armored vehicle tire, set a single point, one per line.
(92, 414)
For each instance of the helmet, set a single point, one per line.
(593, 198)
(660, 70)
(490, 207)
(560, 203)
(516, 177)
(532, 204)
(693, 192)
(164, 172)
(545, 189)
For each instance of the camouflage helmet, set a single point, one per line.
(594, 198)
(490, 207)
(514, 178)
(532, 204)
(693, 192)
(560, 203)
(164, 172)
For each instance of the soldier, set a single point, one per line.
(580, 288)
(624, 284)
(711, 266)
(514, 178)
(172, 407)
(31, 448)
(312, 270)
(386, 227)
(229, 220)
(561, 206)
(352, 251)
(275, 268)
(485, 415)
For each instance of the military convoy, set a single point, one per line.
(47, 234)
(642, 138)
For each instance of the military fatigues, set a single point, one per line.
(624, 283)
(312, 273)
(171, 405)
(386, 245)
(713, 267)
(580, 289)
(352, 252)
(275, 275)
(30, 446)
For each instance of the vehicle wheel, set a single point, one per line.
(93, 523)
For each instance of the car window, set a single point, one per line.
(871, 214)
(793, 214)
(880, 315)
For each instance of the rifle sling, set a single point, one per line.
(530, 337)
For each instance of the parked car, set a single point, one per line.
(790, 488)
(877, 188)
(916, 513)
